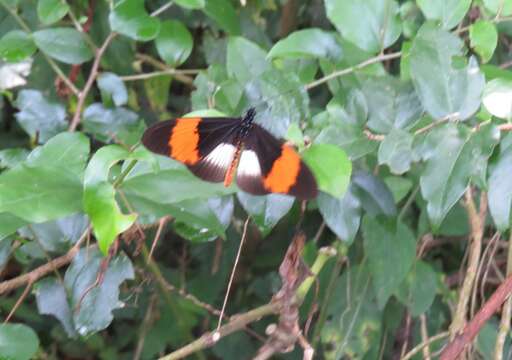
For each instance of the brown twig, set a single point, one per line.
(90, 81)
(477, 223)
(424, 337)
(161, 225)
(470, 331)
(506, 312)
(18, 302)
(420, 347)
(43, 270)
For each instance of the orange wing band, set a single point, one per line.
(284, 172)
(184, 140)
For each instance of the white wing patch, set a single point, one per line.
(249, 164)
(221, 156)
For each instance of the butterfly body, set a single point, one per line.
(214, 149)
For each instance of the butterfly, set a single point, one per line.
(214, 148)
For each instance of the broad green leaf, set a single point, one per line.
(51, 11)
(350, 138)
(266, 211)
(52, 300)
(503, 7)
(391, 250)
(157, 92)
(17, 342)
(419, 289)
(191, 4)
(39, 116)
(99, 197)
(497, 97)
(312, 42)
(63, 44)
(174, 42)
(372, 25)
(9, 224)
(454, 155)
(112, 89)
(109, 124)
(484, 39)
(392, 104)
(448, 12)
(331, 167)
(341, 215)
(129, 17)
(399, 186)
(224, 14)
(396, 151)
(449, 91)
(500, 187)
(373, 194)
(245, 60)
(66, 150)
(95, 308)
(16, 46)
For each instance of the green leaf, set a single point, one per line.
(331, 167)
(374, 195)
(38, 116)
(17, 342)
(312, 42)
(447, 91)
(392, 104)
(99, 197)
(16, 46)
(51, 11)
(448, 12)
(399, 186)
(112, 88)
(503, 7)
(454, 155)
(391, 250)
(363, 22)
(497, 98)
(245, 60)
(500, 186)
(396, 151)
(109, 124)
(174, 43)
(419, 289)
(350, 138)
(191, 4)
(129, 17)
(342, 216)
(63, 44)
(95, 308)
(13, 75)
(267, 210)
(9, 224)
(484, 39)
(224, 14)
(52, 300)
(9, 158)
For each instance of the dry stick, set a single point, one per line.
(144, 328)
(477, 222)
(18, 302)
(506, 312)
(161, 225)
(424, 336)
(420, 347)
(90, 81)
(459, 343)
(232, 276)
(43, 270)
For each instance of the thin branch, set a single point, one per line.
(470, 331)
(506, 312)
(162, 8)
(90, 81)
(19, 301)
(180, 75)
(424, 337)
(352, 69)
(477, 223)
(144, 328)
(43, 270)
(420, 347)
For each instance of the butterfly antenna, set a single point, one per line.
(226, 296)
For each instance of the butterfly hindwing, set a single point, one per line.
(205, 145)
(268, 165)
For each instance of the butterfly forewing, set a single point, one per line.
(205, 145)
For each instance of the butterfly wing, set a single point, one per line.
(205, 145)
(268, 165)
